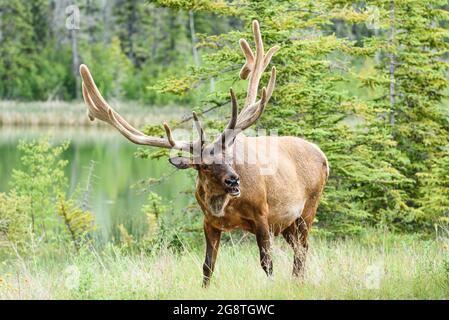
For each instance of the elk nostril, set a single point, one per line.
(232, 182)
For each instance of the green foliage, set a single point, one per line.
(37, 201)
(370, 91)
(144, 45)
(127, 241)
(159, 234)
(413, 43)
(40, 180)
(374, 165)
(388, 149)
(221, 7)
(31, 67)
(79, 223)
(110, 80)
(165, 228)
(154, 211)
(434, 199)
(14, 221)
(162, 231)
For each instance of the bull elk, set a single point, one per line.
(232, 192)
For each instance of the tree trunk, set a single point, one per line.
(131, 30)
(196, 58)
(106, 14)
(75, 62)
(89, 18)
(392, 64)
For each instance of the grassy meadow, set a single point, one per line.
(86, 214)
(373, 266)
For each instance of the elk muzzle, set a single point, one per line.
(232, 184)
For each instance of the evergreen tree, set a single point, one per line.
(30, 67)
(366, 81)
(412, 75)
(373, 171)
(16, 43)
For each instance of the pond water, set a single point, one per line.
(113, 199)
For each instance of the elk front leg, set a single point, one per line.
(212, 242)
(264, 243)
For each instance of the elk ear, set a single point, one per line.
(181, 162)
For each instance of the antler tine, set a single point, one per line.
(269, 55)
(91, 109)
(258, 40)
(249, 64)
(234, 113)
(138, 139)
(253, 114)
(271, 83)
(100, 109)
(230, 128)
(253, 68)
(256, 68)
(113, 118)
(169, 135)
(199, 130)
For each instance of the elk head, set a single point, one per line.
(213, 161)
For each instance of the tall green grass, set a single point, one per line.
(370, 267)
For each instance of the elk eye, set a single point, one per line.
(205, 167)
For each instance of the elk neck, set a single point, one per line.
(215, 198)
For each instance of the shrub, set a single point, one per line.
(79, 223)
(14, 220)
(40, 181)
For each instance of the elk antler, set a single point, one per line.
(253, 68)
(100, 109)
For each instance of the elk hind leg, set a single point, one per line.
(296, 237)
(297, 233)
